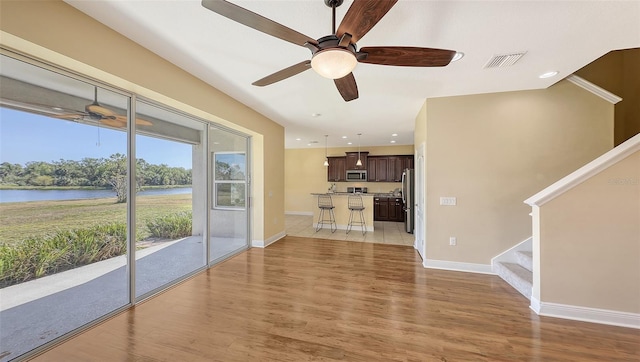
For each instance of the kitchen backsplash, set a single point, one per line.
(372, 187)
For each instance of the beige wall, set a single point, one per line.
(59, 34)
(619, 73)
(590, 242)
(493, 151)
(305, 174)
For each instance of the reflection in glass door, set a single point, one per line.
(170, 205)
(63, 233)
(229, 218)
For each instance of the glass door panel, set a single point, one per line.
(63, 207)
(229, 219)
(170, 203)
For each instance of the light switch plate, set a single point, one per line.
(448, 201)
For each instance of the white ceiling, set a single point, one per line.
(557, 35)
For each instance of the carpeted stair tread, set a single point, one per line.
(517, 276)
(525, 259)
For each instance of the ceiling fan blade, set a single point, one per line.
(283, 74)
(255, 21)
(362, 16)
(407, 56)
(113, 123)
(69, 116)
(139, 121)
(347, 87)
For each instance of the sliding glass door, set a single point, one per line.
(63, 205)
(171, 193)
(94, 216)
(229, 223)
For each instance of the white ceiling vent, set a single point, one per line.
(504, 60)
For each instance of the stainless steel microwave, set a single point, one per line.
(357, 175)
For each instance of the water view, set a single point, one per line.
(49, 195)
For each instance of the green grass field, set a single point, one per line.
(20, 220)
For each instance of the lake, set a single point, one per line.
(47, 195)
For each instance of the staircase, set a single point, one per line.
(515, 266)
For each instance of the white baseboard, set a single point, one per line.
(585, 314)
(344, 227)
(535, 305)
(269, 241)
(303, 213)
(458, 266)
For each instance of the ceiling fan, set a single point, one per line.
(335, 56)
(96, 112)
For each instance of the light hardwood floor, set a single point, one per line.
(384, 232)
(304, 299)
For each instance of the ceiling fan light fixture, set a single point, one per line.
(334, 63)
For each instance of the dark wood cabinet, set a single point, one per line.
(336, 172)
(377, 169)
(381, 209)
(396, 167)
(398, 209)
(388, 209)
(387, 168)
(408, 162)
(352, 159)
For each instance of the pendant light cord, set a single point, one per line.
(326, 158)
(359, 163)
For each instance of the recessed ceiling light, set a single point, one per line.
(457, 56)
(548, 74)
(298, 139)
(316, 115)
(56, 108)
(393, 141)
(344, 137)
(394, 135)
(349, 143)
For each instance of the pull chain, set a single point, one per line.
(98, 143)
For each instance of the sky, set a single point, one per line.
(28, 137)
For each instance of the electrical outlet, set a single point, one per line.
(448, 201)
(453, 241)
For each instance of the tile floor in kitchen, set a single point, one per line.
(385, 232)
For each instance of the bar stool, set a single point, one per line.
(326, 204)
(355, 204)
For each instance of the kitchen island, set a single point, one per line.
(341, 210)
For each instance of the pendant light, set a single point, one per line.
(326, 159)
(359, 163)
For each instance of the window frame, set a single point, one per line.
(216, 182)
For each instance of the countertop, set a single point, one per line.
(340, 193)
(390, 194)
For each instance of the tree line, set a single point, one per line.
(95, 172)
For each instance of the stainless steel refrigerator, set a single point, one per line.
(408, 197)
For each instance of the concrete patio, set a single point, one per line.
(38, 311)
